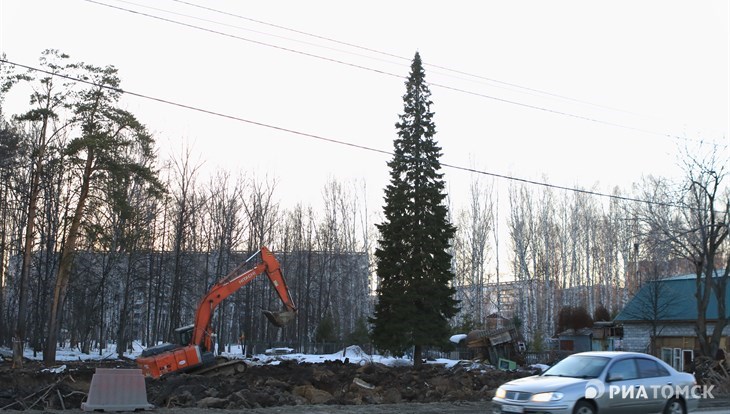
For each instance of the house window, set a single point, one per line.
(677, 362)
(688, 356)
(678, 358)
(667, 355)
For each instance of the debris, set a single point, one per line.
(212, 402)
(56, 370)
(285, 384)
(279, 351)
(507, 365)
(539, 368)
(363, 384)
(713, 372)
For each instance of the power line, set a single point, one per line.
(336, 141)
(253, 31)
(507, 85)
(406, 59)
(383, 72)
(192, 26)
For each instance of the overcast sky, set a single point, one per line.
(573, 93)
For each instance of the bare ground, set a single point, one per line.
(330, 387)
(322, 387)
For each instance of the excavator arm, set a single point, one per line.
(235, 280)
(197, 351)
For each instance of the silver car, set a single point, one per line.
(601, 382)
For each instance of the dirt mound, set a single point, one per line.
(292, 383)
(288, 383)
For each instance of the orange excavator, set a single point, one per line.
(195, 349)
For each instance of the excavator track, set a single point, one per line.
(223, 367)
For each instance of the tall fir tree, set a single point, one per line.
(415, 294)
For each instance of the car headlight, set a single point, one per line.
(547, 396)
(501, 393)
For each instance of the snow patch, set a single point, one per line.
(457, 338)
(353, 354)
(55, 370)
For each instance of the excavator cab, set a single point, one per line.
(184, 334)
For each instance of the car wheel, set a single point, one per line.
(584, 407)
(674, 406)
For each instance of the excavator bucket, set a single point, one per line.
(279, 319)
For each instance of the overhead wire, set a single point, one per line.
(403, 58)
(384, 72)
(506, 85)
(245, 39)
(254, 31)
(333, 140)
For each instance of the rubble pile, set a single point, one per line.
(35, 387)
(713, 372)
(292, 383)
(288, 383)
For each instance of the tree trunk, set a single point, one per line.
(20, 329)
(3, 249)
(417, 355)
(702, 294)
(123, 314)
(64, 268)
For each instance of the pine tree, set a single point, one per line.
(415, 295)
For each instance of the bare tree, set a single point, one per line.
(262, 212)
(521, 225)
(133, 206)
(693, 218)
(98, 153)
(262, 216)
(226, 228)
(564, 254)
(298, 235)
(184, 200)
(11, 158)
(48, 100)
(653, 304)
(472, 250)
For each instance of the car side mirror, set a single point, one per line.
(614, 377)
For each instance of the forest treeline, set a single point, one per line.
(102, 241)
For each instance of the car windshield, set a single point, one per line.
(578, 366)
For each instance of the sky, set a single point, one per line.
(573, 93)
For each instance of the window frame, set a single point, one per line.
(657, 372)
(631, 360)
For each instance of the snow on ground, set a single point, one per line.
(73, 354)
(354, 354)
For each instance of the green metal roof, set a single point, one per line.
(671, 299)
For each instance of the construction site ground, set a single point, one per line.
(329, 387)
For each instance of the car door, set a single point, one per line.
(622, 388)
(657, 381)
